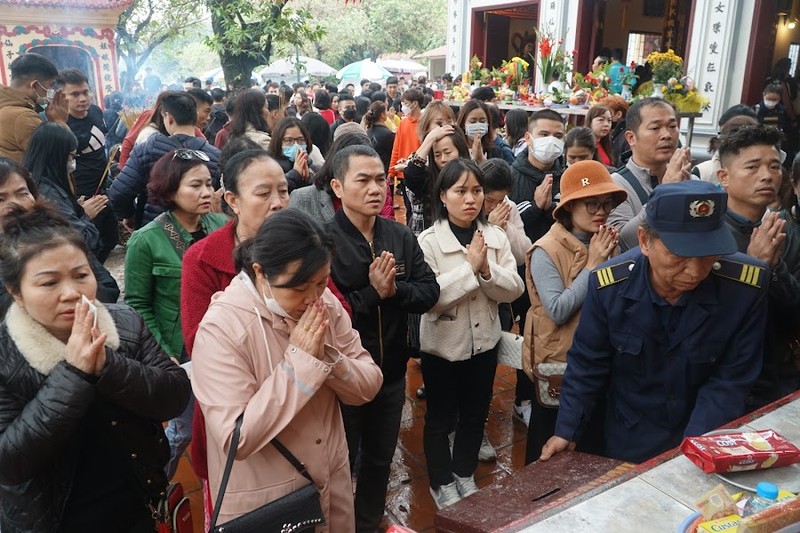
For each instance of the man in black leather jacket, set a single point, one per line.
(381, 271)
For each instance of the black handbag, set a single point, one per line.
(297, 511)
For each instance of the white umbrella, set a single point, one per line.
(288, 67)
(402, 65)
(364, 69)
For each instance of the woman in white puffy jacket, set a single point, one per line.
(476, 270)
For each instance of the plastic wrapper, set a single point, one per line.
(735, 452)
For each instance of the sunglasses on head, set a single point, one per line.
(188, 155)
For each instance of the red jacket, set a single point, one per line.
(208, 268)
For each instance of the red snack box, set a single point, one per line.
(736, 452)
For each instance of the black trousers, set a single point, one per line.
(462, 391)
(106, 224)
(372, 430)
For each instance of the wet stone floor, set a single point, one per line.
(408, 502)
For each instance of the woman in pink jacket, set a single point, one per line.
(278, 348)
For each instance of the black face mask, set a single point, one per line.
(349, 114)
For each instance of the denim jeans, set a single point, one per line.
(179, 435)
(372, 430)
(457, 391)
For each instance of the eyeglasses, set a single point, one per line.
(188, 155)
(291, 141)
(593, 206)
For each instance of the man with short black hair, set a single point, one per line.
(32, 78)
(750, 172)
(128, 193)
(364, 84)
(380, 269)
(151, 82)
(391, 87)
(347, 111)
(273, 88)
(350, 88)
(204, 102)
(218, 117)
(192, 83)
(652, 135)
(87, 124)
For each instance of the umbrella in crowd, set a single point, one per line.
(290, 67)
(402, 66)
(365, 69)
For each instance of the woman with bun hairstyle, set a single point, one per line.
(379, 134)
(286, 343)
(85, 390)
(557, 276)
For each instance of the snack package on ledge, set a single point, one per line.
(736, 452)
(722, 512)
(716, 503)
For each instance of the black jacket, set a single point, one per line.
(382, 140)
(42, 419)
(526, 179)
(128, 192)
(382, 324)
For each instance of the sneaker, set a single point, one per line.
(466, 485)
(446, 495)
(486, 454)
(522, 412)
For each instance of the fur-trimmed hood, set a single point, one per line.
(40, 348)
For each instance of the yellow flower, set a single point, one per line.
(678, 87)
(664, 89)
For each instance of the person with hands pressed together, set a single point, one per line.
(287, 343)
(21, 102)
(476, 121)
(537, 172)
(557, 278)
(671, 333)
(83, 395)
(751, 173)
(653, 138)
(381, 270)
(475, 270)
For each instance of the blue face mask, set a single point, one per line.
(291, 151)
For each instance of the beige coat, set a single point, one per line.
(465, 321)
(283, 392)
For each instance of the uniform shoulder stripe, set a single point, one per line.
(746, 273)
(613, 274)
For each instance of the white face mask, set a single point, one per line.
(272, 304)
(406, 109)
(71, 166)
(770, 104)
(547, 149)
(480, 128)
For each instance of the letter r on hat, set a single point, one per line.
(584, 182)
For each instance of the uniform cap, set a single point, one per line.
(688, 217)
(585, 179)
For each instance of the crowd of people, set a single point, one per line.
(270, 294)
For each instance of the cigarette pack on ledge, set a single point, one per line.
(736, 452)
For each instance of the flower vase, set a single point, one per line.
(627, 94)
(658, 90)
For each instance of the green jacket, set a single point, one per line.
(153, 279)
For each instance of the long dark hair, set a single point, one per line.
(598, 111)
(249, 112)
(47, 154)
(469, 106)
(322, 179)
(451, 173)
(276, 142)
(516, 126)
(8, 167)
(288, 236)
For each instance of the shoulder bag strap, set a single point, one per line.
(172, 233)
(232, 456)
(626, 173)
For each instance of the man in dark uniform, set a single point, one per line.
(671, 333)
